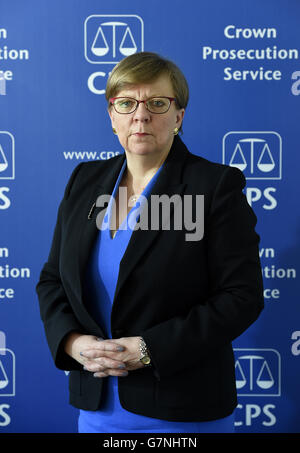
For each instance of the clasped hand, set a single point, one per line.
(111, 357)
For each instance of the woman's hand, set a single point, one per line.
(104, 357)
(107, 358)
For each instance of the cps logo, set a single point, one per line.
(7, 166)
(107, 40)
(258, 372)
(259, 156)
(7, 369)
(7, 379)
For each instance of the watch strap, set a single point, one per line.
(145, 355)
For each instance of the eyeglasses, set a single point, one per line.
(129, 105)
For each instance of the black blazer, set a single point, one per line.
(188, 299)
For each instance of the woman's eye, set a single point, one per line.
(125, 104)
(157, 103)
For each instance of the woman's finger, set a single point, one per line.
(101, 350)
(100, 374)
(103, 363)
(108, 345)
(106, 362)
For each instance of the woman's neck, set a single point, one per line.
(141, 169)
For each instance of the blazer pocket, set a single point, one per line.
(75, 382)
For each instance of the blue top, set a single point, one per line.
(100, 284)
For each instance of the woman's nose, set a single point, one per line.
(141, 113)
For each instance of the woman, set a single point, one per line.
(144, 316)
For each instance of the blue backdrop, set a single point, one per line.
(241, 60)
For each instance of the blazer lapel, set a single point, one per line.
(89, 230)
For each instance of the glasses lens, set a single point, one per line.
(158, 105)
(125, 105)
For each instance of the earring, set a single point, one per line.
(176, 131)
(114, 131)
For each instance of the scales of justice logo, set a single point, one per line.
(7, 156)
(7, 369)
(257, 372)
(257, 154)
(110, 38)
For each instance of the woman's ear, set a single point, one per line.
(179, 117)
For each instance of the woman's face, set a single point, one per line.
(143, 132)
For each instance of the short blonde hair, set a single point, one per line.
(146, 67)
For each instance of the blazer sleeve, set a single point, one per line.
(236, 297)
(55, 310)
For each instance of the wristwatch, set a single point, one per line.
(145, 356)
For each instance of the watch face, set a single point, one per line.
(146, 360)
